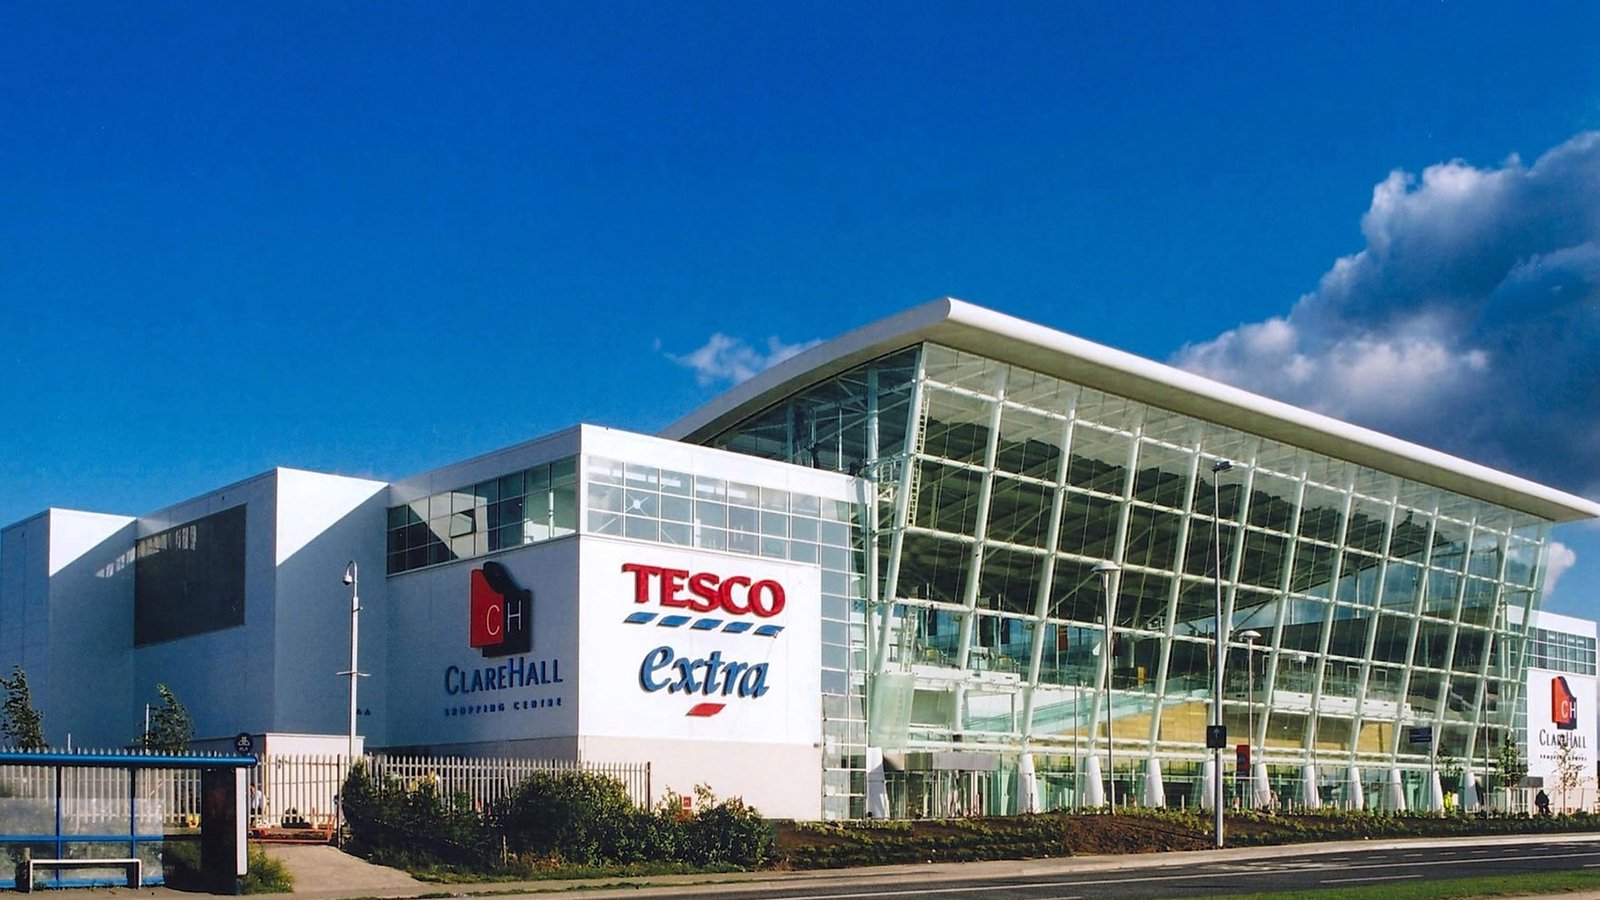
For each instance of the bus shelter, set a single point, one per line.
(77, 819)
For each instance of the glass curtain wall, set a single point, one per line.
(1359, 605)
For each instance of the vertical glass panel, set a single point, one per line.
(1009, 581)
(1142, 600)
(1152, 537)
(1485, 559)
(1393, 639)
(1264, 558)
(1076, 594)
(1470, 646)
(1099, 459)
(1201, 555)
(1039, 391)
(963, 370)
(947, 498)
(1478, 601)
(1030, 443)
(1401, 583)
(933, 568)
(1271, 502)
(743, 494)
(1108, 409)
(676, 483)
(1440, 601)
(1302, 627)
(1088, 526)
(1162, 476)
(563, 497)
(1449, 544)
(1368, 527)
(706, 488)
(774, 500)
(957, 426)
(1313, 569)
(1322, 515)
(1433, 645)
(1019, 512)
(1358, 579)
(1347, 635)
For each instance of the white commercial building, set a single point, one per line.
(951, 562)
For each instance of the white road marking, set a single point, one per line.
(1373, 878)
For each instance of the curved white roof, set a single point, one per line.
(963, 326)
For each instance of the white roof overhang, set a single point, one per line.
(963, 326)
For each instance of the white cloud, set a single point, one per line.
(1560, 560)
(730, 359)
(1469, 321)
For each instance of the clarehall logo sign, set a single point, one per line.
(501, 613)
(500, 625)
(728, 604)
(1563, 704)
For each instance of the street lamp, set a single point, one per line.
(1250, 637)
(1106, 569)
(352, 577)
(1217, 468)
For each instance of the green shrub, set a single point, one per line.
(180, 866)
(728, 833)
(266, 875)
(578, 818)
(413, 826)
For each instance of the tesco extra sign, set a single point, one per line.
(705, 591)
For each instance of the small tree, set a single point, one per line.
(20, 723)
(1569, 771)
(171, 729)
(1509, 766)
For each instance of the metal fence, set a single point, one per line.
(286, 790)
(297, 790)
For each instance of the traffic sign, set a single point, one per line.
(1420, 735)
(1216, 737)
(1241, 755)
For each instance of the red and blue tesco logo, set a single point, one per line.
(501, 611)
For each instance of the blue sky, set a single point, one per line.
(371, 239)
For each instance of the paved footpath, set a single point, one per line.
(325, 873)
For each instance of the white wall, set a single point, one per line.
(91, 628)
(432, 700)
(323, 523)
(66, 596)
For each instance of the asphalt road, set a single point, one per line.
(1186, 875)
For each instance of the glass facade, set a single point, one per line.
(1560, 651)
(523, 507)
(1356, 604)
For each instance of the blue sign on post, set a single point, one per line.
(1420, 735)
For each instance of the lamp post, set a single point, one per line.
(1250, 637)
(352, 578)
(1217, 468)
(1106, 569)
